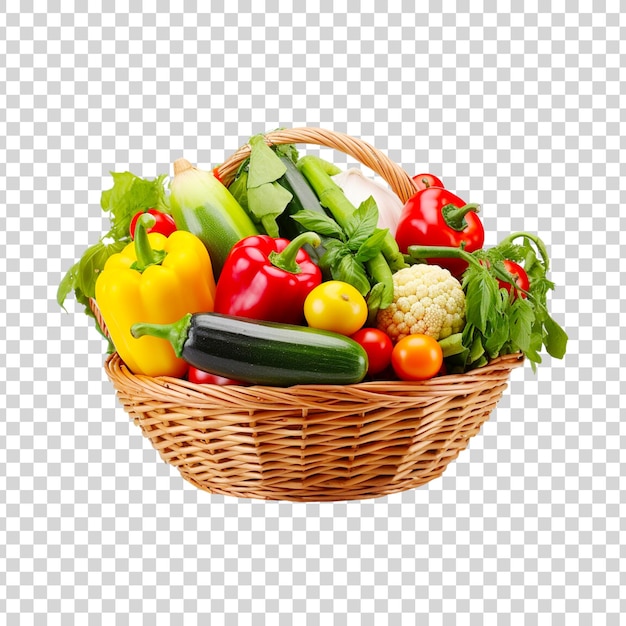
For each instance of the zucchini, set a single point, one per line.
(303, 198)
(262, 353)
(204, 207)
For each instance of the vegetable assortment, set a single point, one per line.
(300, 273)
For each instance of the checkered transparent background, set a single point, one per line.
(517, 106)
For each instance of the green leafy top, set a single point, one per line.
(128, 195)
(496, 322)
(347, 249)
(262, 196)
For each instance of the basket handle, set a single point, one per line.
(399, 181)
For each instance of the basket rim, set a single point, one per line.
(396, 177)
(448, 383)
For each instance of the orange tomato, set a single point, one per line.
(416, 357)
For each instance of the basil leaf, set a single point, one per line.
(350, 271)
(334, 251)
(362, 223)
(318, 223)
(371, 246)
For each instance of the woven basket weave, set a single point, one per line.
(313, 442)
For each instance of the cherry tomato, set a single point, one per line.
(423, 181)
(194, 375)
(520, 276)
(164, 223)
(416, 357)
(336, 306)
(378, 346)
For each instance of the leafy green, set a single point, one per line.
(239, 189)
(521, 317)
(371, 246)
(266, 203)
(349, 270)
(362, 224)
(265, 166)
(481, 290)
(288, 150)
(321, 224)
(349, 249)
(503, 324)
(128, 195)
(264, 198)
(555, 338)
(499, 322)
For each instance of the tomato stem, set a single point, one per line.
(541, 247)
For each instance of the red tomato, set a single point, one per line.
(164, 223)
(378, 346)
(423, 181)
(417, 357)
(201, 377)
(520, 276)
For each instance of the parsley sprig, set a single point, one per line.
(498, 323)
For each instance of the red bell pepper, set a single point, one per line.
(436, 217)
(267, 278)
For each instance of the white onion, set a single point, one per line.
(357, 187)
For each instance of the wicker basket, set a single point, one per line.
(313, 442)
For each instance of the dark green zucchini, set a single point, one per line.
(303, 198)
(263, 353)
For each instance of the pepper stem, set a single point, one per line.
(455, 216)
(175, 333)
(146, 256)
(286, 260)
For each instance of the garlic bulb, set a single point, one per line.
(357, 187)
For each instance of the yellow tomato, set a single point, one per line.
(335, 306)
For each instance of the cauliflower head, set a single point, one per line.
(427, 299)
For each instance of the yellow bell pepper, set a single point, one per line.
(157, 279)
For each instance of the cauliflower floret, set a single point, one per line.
(427, 299)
